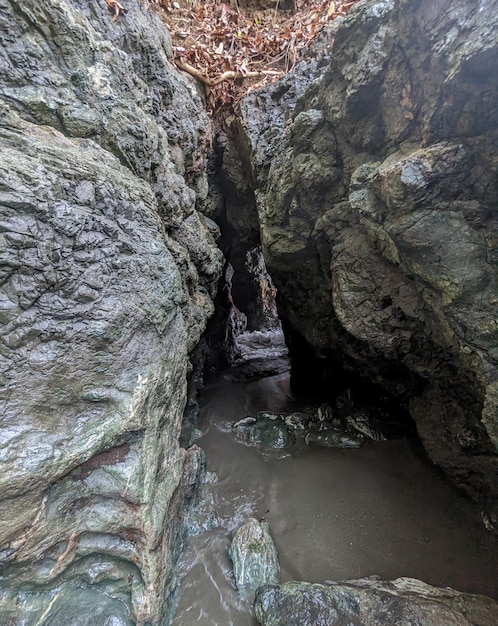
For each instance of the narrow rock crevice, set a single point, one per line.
(353, 203)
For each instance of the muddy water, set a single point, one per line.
(334, 514)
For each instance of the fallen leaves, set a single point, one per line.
(226, 45)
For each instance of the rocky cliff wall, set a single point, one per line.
(107, 274)
(376, 191)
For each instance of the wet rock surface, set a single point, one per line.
(259, 354)
(254, 557)
(371, 602)
(375, 188)
(106, 281)
(264, 429)
(341, 426)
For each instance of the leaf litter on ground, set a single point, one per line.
(233, 47)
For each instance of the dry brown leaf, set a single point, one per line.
(225, 45)
(117, 8)
(331, 9)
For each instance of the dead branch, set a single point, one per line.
(228, 75)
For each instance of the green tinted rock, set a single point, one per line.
(254, 557)
(376, 200)
(107, 273)
(371, 602)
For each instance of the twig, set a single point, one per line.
(276, 10)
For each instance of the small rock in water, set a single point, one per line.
(245, 421)
(319, 427)
(264, 429)
(254, 557)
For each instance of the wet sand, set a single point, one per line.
(334, 514)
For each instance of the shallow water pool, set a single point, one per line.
(334, 514)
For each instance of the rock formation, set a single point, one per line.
(372, 186)
(371, 602)
(108, 271)
(375, 186)
(254, 557)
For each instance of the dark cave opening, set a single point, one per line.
(247, 323)
(329, 380)
(243, 337)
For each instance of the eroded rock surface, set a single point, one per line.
(254, 557)
(376, 197)
(371, 602)
(107, 277)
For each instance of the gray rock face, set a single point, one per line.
(107, 273)
(371, 602)
(377, 210)
(254, 557)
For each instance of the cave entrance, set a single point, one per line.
(330, 460)
(332, 464)
(250, 342)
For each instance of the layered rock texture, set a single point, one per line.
(371, 602)
(375, 188)
(370, 176)
(107, 277)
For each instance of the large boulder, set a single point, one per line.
(371, 602)
(107, 275)
(376, 195)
